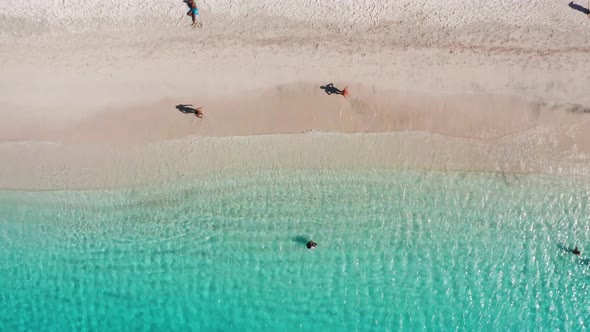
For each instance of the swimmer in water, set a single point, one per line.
(311, 245)
(576, 251)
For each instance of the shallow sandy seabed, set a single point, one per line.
(90, 104)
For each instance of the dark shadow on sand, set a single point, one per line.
(579, 8)
(331, 89)
(186, 109)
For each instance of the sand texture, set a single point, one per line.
(88, 89)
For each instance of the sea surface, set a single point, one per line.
(397, 251)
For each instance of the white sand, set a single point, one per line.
(440, 13)
(462, 85)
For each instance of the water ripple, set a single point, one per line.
(396, 251)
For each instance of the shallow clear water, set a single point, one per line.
(396, 251)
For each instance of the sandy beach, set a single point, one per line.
(88, 90)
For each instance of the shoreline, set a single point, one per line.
(299, 126)
(62, 167)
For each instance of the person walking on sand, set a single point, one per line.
(193, 11)
(345, 92)
(198, 112)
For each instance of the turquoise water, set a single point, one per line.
(396, 251)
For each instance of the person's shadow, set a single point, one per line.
(301, 239)
(579, 8)
(565, 248)
(186, 109)
(331, 89)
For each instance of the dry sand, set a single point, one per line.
(87, 101)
